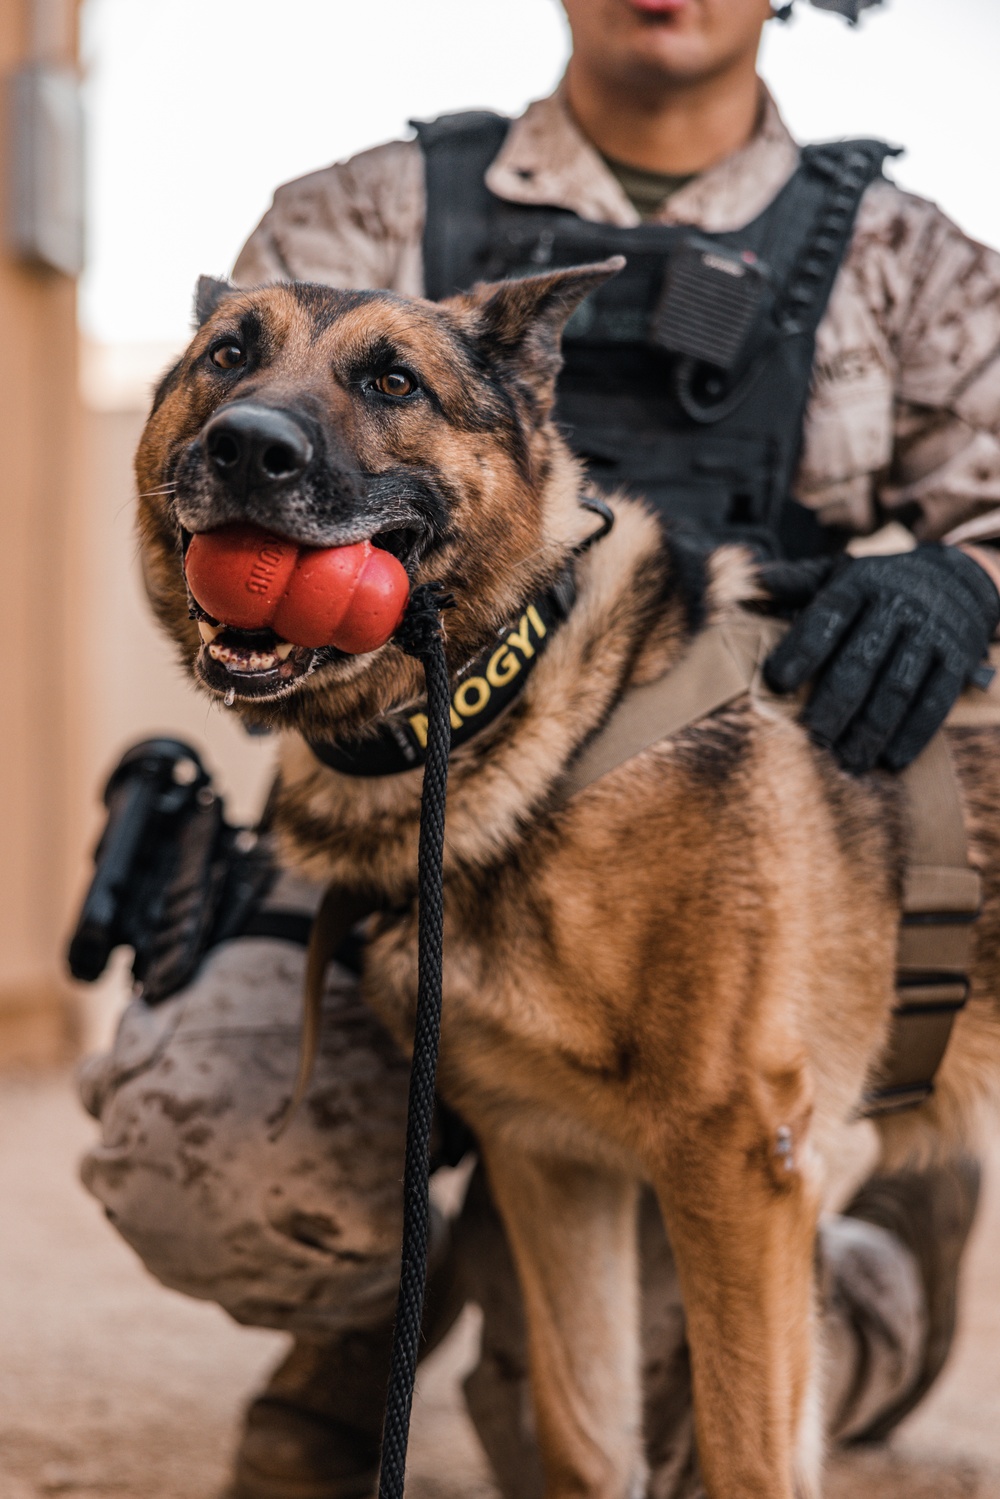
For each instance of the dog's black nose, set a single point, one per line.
(255, 447)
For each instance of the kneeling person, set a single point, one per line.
(869, 409)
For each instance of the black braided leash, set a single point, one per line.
(420, 635)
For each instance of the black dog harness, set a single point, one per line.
(686, 376)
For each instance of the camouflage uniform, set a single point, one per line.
(303, 1234)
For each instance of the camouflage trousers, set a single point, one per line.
(302, 1232)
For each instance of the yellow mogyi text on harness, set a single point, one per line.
(474, 694)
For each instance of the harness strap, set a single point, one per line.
(941, 894)
(721, 664)
(339, 911)
(941, 900)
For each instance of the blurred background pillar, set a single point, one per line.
(40, 153)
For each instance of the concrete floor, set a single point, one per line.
(111, 1386)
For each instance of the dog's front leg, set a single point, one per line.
(572, 1231)
(740, 1209)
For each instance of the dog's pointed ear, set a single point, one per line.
(519, 323)
(209, 292)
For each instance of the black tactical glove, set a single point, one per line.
(889, 643)
(790, 586)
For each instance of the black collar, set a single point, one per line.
(484, 689)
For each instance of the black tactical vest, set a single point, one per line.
(686, 376)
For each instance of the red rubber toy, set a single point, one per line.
(350, 597)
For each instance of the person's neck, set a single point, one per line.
(676, 131)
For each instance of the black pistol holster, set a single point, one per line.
(171, 877)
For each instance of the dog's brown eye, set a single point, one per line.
(229, 356)
(396, 383)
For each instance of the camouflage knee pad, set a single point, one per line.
(301, 1232)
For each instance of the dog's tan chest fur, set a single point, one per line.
(646, 952)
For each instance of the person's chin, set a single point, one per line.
(667, 35)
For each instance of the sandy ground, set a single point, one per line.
(111, 1386)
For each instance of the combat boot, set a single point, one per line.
(313, 1433)
(931, 1213)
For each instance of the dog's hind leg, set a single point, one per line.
(741, 1209)
(572, 1231)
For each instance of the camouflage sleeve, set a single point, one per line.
(357, 224)
(941, 301)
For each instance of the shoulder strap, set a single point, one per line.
(803, 235)
(720, 665)
(458, 150)
(846, 169)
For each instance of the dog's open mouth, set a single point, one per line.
(328, 600)
(251, 663)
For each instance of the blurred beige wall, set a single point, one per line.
(40, 429)
(83, 671)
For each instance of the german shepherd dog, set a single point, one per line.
(683, 974)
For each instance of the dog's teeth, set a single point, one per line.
(235, 659)
(208, 632)
(283, 650)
